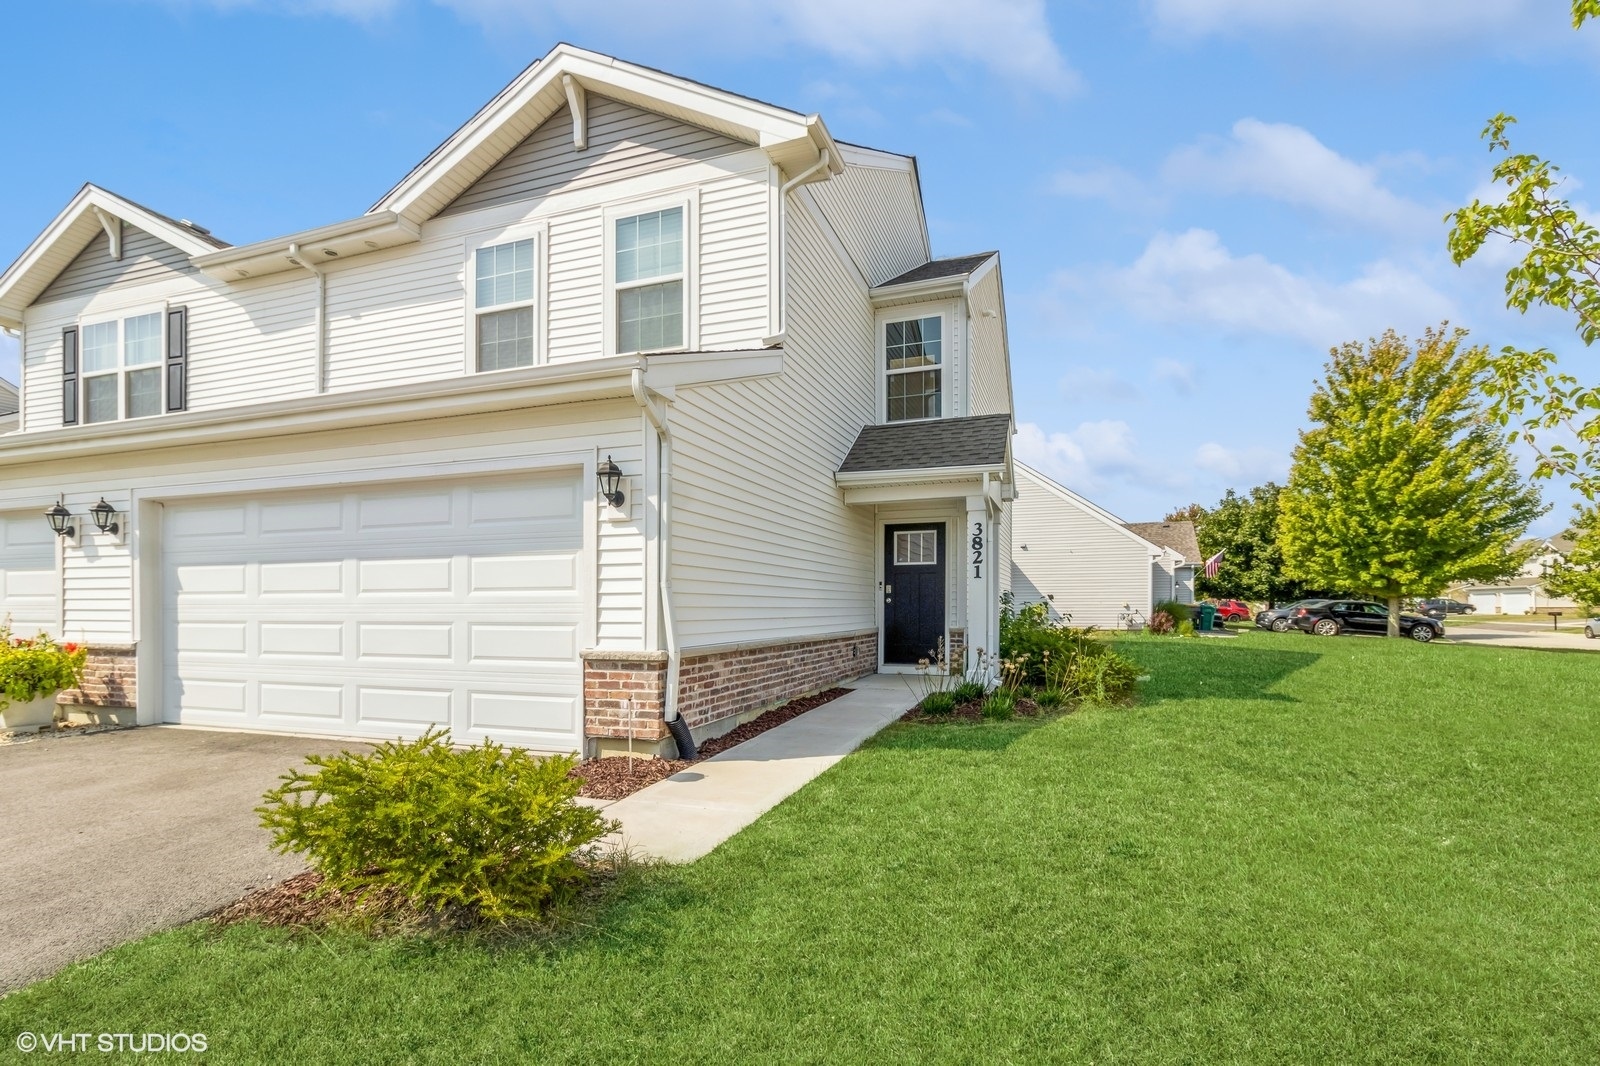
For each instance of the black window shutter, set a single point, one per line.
(178, 359)
(69, 376)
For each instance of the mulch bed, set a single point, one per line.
(972, 711)
(614, 777)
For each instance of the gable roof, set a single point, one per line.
(794, 141)
(930, 444)
(1089, 507)
(934, 270)
(1178, 537)
(87, 214)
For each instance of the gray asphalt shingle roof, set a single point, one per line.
(955, 267)
(976, 441)
(1179, 536)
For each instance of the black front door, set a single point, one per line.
(913, 592)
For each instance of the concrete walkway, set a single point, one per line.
(686, 816)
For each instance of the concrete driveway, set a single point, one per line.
(108, 837)
(1521, 635)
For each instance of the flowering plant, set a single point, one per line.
(31, 667)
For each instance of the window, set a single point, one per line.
(918, 547)
(913, 353)
(122, 368)
(649, 281)
(503, 300)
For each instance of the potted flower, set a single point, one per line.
(32, 671)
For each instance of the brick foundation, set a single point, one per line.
(956, 655)
(721, 685)
(108, 679)
(624, 697)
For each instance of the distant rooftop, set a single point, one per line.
(1178, 536)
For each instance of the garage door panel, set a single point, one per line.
(381, 612)
(30, 585)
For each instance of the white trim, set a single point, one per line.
(688, 201)
(327, 244)
(120, 372)
(950, 354)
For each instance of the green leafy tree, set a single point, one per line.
(1577, 577)
(1244, 527)
(1554, 412)
(1403, 484)
(1192, 512)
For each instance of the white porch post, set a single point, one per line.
(977, 552)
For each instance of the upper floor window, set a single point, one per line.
(913, 358)
(503, 301)
(649, 281)
(122, 368)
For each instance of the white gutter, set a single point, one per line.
(669, 710)
(824, 161)
(321, 275)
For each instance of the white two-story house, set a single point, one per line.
(635, 401)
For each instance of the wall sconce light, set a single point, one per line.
(610, 477)
(105, 517)
(61, 520)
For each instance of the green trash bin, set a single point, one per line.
(1205, 617)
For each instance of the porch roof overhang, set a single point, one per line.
(866, 488)
(930, 459)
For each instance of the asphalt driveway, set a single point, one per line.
(108, 837)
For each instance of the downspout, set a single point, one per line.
(669, 710)
(320, 273)
(822, 163)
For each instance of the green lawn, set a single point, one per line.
(1294, 850)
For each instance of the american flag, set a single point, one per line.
(1214, 564)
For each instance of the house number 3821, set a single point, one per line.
(977, 549)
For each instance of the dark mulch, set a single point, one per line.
(972, 711)
(614, 777)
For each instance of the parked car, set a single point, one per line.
(1438, 608)
(1361, 616)
(1277, 618)
(1231, 610)
(1591, 627)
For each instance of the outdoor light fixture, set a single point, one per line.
(610, 476)
(61, 520)
(105, 517)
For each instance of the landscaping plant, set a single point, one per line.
(31, 667)
(483, 832)
(1161, 624)
(1066, 664)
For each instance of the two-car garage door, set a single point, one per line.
(377, 611)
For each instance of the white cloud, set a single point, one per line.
(1089, 457)
(1010, 38)
(1498, 22)
(1242, 466)
(1191, 279)
(1289, 164)
(1178, 375)
(10, 359)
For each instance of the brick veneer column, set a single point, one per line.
(109, 678)
(625, 695)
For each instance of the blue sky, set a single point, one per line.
(1194, 199)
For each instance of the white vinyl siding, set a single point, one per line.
(30, 585)
(790, 560)
(988, 364)
(145, 258)
(624, 142)
(874, 213)
(1089, 566)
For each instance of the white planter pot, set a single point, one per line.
(29, 717)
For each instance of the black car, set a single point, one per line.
(1439, 608)
(1277, 618)
(1361, 616)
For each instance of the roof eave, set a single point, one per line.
(324, 244)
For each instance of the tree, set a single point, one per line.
(1560, 267)
(1403, 484)
(1192, 512)
(1577, 577)
(1245, 529)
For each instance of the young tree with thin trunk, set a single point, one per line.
(1403, 483)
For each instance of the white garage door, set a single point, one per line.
(1484, 602)
(380, 611)
(30, 590)
(1516, 601)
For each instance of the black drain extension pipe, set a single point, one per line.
(684, 739)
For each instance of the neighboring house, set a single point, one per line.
(361, 471)
(8, 406)
(1090, 566)
(1525, 593)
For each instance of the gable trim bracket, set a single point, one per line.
(578, 104)
(113, 227)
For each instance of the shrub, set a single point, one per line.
(31, 667)
(1161, 623)
(1051, 698)
(939, 703)
(1186, 628)
(1105, 678)
(1178, 612)
(1000, 705)
(485, 831)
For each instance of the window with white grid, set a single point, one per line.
(913, 352)
(122, 367)
(648, 280)
(503, 298)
